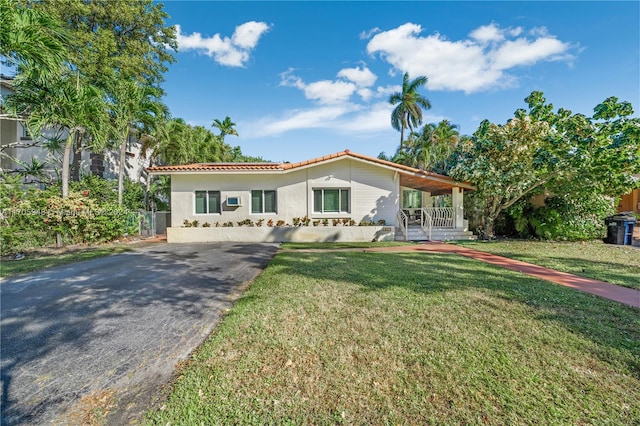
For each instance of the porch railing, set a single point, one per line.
(439, 217)
(403, 222)
(426, 222)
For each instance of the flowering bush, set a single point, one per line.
(37, 218)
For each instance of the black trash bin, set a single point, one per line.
(620, 229)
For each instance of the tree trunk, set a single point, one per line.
(147, 198)
(488, 228)
(77, 158)
(123, 159)
(65, 165)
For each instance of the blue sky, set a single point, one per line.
(306, 79)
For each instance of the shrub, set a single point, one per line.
(564, 217)
(38, 218)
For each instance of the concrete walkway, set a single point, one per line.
(627, 296)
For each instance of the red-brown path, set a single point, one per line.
(628, 296)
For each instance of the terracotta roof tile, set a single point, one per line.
(290, 166)
(216, 166)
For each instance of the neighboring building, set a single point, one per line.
(630, 202)
(345, 186)
(17, 146)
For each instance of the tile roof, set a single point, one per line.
(196, 167)
(240, 167)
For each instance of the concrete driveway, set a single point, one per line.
(106, 334)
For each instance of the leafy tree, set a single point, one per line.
(225, 126)
(505, 163)
(559, 151)
(407, 113)
(130, 38)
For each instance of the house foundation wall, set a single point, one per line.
(301, 234)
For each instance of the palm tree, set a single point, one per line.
(445, 138)
(131, 107)
(31, 39)
(60, 103)
(226, 127)
(408, 105)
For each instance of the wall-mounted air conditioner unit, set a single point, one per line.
(234, 201)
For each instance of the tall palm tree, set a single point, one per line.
(63, 102)
(132, 107)
(407, 113)
(225, 126)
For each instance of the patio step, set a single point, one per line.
(416, 233)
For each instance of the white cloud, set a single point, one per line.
(248, 34)
(362, 77)
(349, 119)
(233, 52)
(525, 52)
(329, 92)
(387, 90)
(477, 63)
(366, 93)
(375, 118)
(350, 80)
(312, 118)
(515, 32)
(487, 33)
(323, 91)
(365, 35)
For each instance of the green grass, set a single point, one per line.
(410, 338)
(36, 262)
(341, 246)
(593, 259)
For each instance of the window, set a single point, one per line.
(263, 201)
(411, 199)
(207, 202)
(331, 201)
(25, 133)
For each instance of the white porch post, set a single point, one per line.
(427, 200)
(458, 209)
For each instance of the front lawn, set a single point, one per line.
(410, 338)
(33, 262)
(343, 246)
(592, 259)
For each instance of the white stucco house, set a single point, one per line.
(330, 198)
